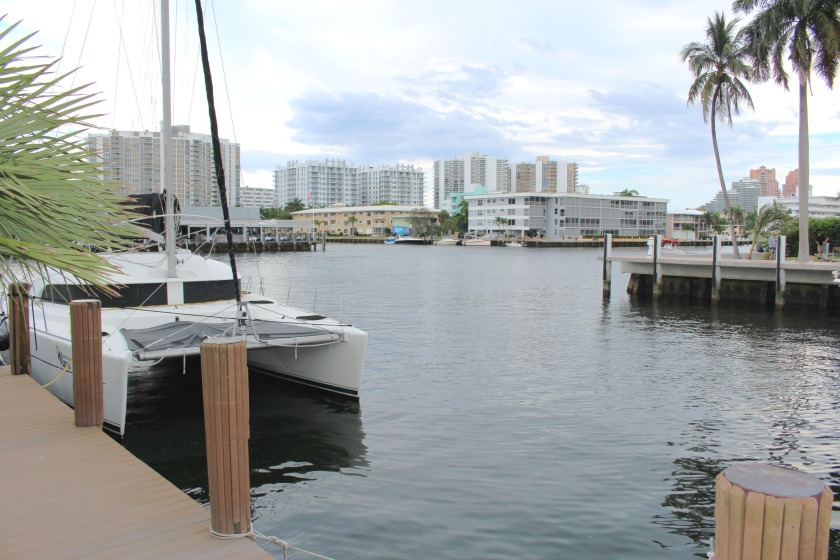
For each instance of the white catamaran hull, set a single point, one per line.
(337, 368)
(51, 365)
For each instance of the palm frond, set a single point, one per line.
(55, 210)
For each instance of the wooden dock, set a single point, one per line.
(69, 492)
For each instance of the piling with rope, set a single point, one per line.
(771, 513)
(224, 382)
(20, 359)
(86, 344)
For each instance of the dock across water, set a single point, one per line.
(69, 492)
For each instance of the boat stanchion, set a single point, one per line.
(773, 513)
(20, 359)
(715, 291)
(86, 345)
(224, 382)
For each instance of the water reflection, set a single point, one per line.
(293, 430)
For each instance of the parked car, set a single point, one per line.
(270, 237)
(284, 238)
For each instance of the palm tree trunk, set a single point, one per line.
(722, 183)
(804, 171)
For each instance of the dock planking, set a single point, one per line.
(69, 492)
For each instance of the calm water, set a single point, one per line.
(507, 412)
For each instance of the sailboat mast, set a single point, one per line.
(166, 141)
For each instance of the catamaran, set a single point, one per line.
(167, 303)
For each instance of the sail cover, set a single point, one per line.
(185, 337)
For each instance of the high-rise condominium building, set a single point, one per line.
(132, 161)
(743, 194)
(400, 184)
(525, 177)
(791, 182)
(316, 183)
(767, 180)
(546, 176)
(467, 173)
(320, 184)
(448, 179)
(256, 197)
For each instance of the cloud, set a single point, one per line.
(374, 129)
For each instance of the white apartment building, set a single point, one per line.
(685, 225)
(321, 184)
(818, 206)
(316, 183)
(401, 184)
(132, 160)
(255, 197)
(566, 215)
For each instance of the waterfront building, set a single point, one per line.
(131, 159)
(818, 206)
(323, 183)
(565, 215)
(766, 180)
(401, 184)
(316, 183)
(743, 194)
(685, 225)
(359, 220)
(258, 197)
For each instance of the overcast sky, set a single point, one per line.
(379, 82)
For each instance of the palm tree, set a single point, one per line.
(769, 220)
(352, 221)
(54, 208)
(712, 221)
(718, 66)
(501, 222)
(808, 31)
(628, 192)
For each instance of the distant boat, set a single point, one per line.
(399, 240)
(448, 241)
(476, 241)
(515, 244)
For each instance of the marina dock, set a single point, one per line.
(721, 278)
(69, 492)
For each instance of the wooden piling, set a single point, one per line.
(86, 344)
(224, 380)
(771, 513)
(607, 272)
(21, 361)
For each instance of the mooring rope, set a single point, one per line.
(253, 534)
(60, 375)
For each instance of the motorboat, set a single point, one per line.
(447, 241)
(476, 241)
(402, 240)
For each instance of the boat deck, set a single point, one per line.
(69, 492)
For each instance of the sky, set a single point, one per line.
(384, 82)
